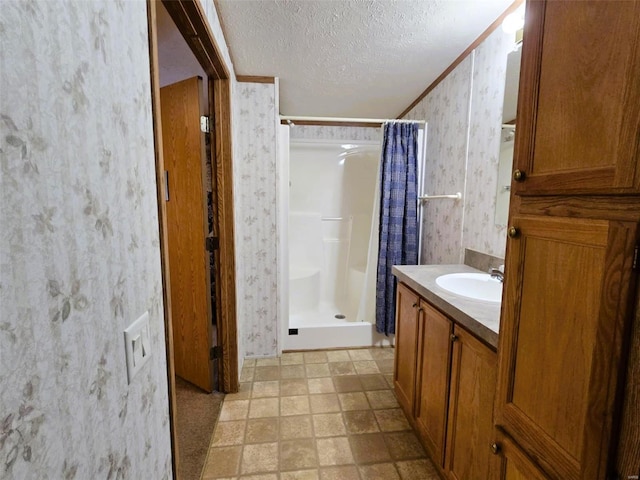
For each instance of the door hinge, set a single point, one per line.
(204, 124)
(212, 244)
(215, 353)
(636, 253)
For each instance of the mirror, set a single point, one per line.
(505, 161)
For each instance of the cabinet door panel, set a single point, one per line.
(567, 305)
(471, 431)
(513, 464)
(406, 347)
(579, 106)
(433, 376)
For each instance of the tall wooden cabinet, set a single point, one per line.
(573, 232)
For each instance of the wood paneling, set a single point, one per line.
(434, 360)
(407, 339)
(567, 305)
(579, 108)
(490, 29)
(470, 430)
(184, 156)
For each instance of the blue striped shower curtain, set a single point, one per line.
(398, 215)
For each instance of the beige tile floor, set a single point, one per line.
(327, 415)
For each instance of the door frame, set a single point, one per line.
(191, 21)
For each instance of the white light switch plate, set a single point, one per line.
(137, 344)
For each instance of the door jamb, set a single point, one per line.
(191, 21)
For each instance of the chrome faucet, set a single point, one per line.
(497, 273)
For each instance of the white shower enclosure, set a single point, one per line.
(331, 191)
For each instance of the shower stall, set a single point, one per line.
(332, 185)
(329, 209)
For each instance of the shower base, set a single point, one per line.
(320, 329)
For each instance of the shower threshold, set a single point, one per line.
(317, 331)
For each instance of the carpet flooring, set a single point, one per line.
(197, 414)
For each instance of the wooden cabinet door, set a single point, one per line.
(471, 432)
(512, 463)
(566, 309)
(434, 361)
(579, 98)
(404, 377)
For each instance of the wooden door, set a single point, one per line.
(404, 378)
(579, 101)
(184, 153)
(434, 362)
(565, 310)
(471, 432)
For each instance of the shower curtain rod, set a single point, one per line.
(294, 119)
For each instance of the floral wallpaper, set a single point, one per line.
(255, 185)
(446, 110)
(255, 201)
(480, 232)
(79, 249)
(464, 114)
(311, 132)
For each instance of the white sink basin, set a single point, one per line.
(478, 286)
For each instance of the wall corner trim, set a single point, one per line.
(255, 79)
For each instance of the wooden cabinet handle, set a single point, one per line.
(513, 232)
(414, 305)
(495, 448)
(454, 337)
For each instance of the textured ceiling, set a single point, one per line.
(351, 58)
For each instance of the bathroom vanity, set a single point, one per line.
(445, 370)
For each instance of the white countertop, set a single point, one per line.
(480, 318)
